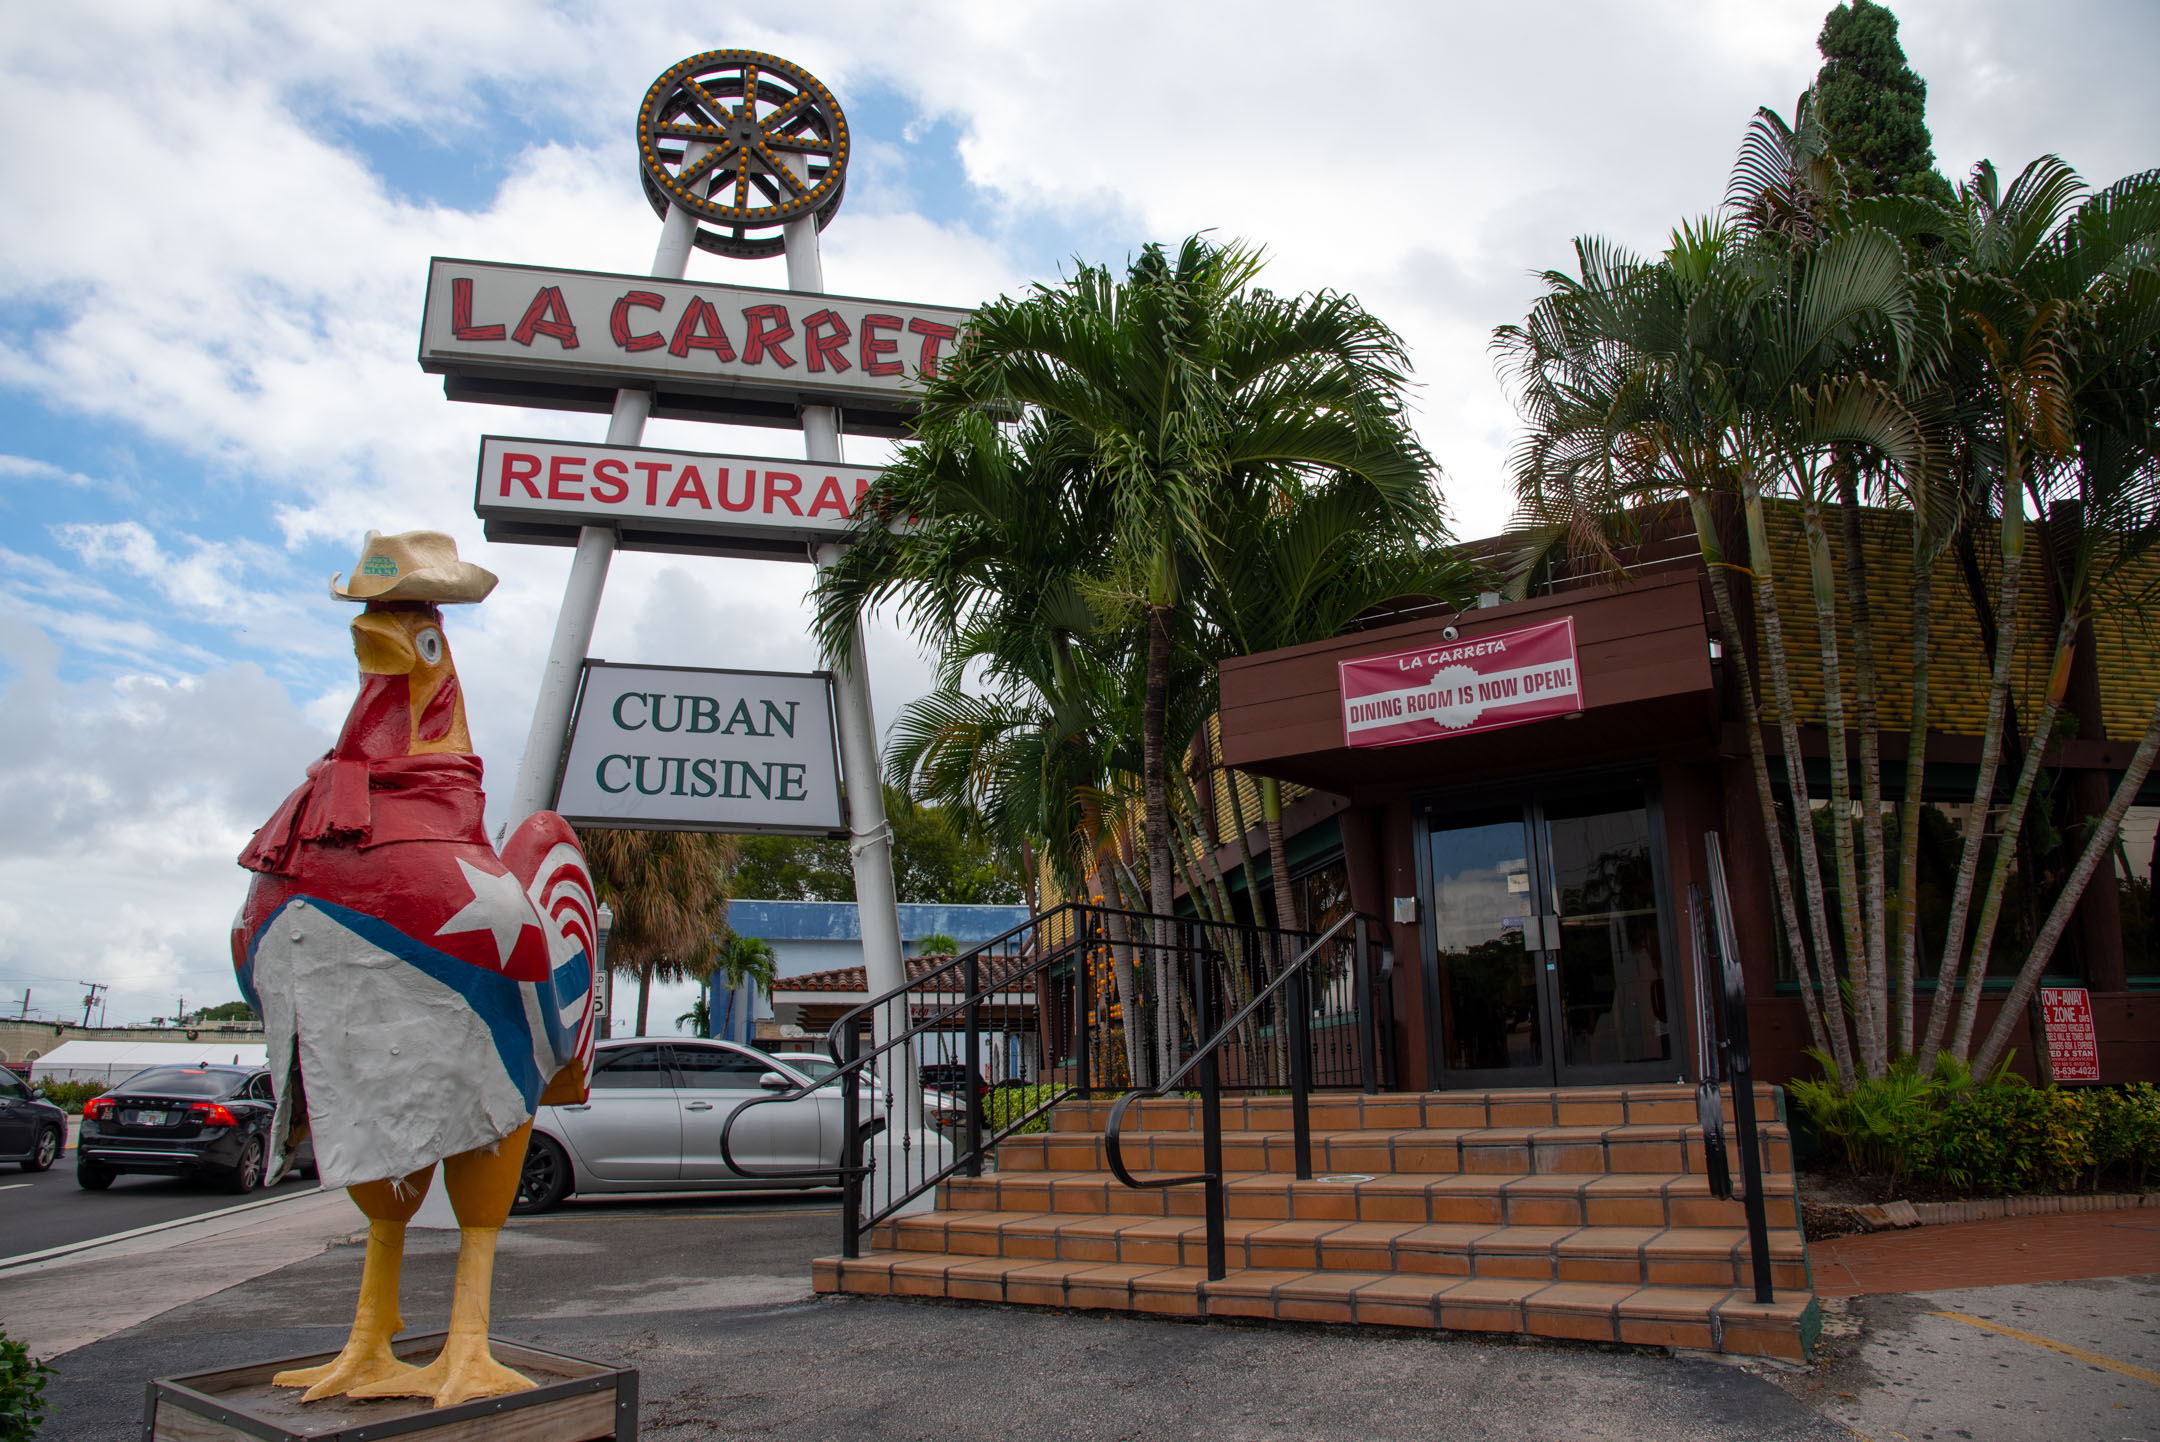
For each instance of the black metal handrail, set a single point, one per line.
(1739, 1063)
(1202, 1065)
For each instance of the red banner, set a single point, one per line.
(2073, 1045)
(1480, 684)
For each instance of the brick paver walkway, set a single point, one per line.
(2055, 1248)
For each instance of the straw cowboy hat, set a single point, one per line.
(413, 566)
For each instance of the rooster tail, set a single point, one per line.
(543, 854)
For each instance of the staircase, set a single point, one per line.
(1577, 1213)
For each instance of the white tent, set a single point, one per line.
(108, 1062)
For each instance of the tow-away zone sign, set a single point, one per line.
(541, 492)
(688, 749)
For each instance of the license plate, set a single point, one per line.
(146, 1119)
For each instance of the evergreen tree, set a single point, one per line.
(1874, 106)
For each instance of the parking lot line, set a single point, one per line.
(2093, 1359)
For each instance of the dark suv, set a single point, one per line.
(33, 1131)
(209, 1121)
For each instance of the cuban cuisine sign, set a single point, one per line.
(569, 339)
(541, 492)
(1481, 683)
(2073, 1043)
(686, 749)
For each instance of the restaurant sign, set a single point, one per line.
(542, 492)
(569, 339)
(1479, 683)
(688, 749)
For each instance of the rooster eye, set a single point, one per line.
(430, 644)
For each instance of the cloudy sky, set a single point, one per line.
(217, 221)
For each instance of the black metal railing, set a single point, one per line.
(931, 1076)
(1722, 1032)
(1290, 997)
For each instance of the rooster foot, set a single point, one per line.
(464, 1372)
(362, 1363)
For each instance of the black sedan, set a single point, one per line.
(206, 1121)
(33, 1131)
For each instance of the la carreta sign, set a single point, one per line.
(1480, 683)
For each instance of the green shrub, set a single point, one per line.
(69, 1096)
(22, 1391)
(1005, 1104)
(1985, 1138)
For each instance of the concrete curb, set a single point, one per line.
(1988, 1209)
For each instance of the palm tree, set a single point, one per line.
(669, 891)
(1143, 401)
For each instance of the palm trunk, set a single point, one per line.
(1909, 813)
(644, 995)
(1286, 915)
(1759, 762)
(1210, 869)
(1991, 740)
(2006, 843)
(1121, 973)
(1822, 580)
(1244, 843)
(2097, 847)
(1773, 625)
(1873, 858)
(1156, 799)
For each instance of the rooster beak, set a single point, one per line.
(382, 645)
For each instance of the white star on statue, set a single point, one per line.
(498, 905)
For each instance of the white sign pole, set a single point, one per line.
(876, 901)
(589, 567)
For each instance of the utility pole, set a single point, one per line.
(90, 1001)
(179, 1014)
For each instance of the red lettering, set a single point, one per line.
(547, 315)
(700, 329)
(875, 346)
(784, 488)
(934, 336)
(749, 489)
(522, 469)
(461, 324)
(565, 470)
(653, 470)
(862, 489)
(619, 321)
(690, 485)
(823, 348)
(828, 494)
(610, 481)
(768, 327)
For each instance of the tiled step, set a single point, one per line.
(1634, 1256)
(1501, 1150)
(1622, 1199)
(1705, 1318)
(1408, 1111)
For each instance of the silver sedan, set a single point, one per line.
(652, 1124)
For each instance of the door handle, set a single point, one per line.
(576, 1107)
(1549, 927)
(697, 1106)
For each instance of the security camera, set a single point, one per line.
(1449, 633)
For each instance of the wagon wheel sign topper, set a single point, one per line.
(742, 112)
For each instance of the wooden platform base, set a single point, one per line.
(575, 1401)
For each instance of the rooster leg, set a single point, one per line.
(367, 1357)
(482, 1184)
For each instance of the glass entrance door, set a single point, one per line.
(1549, 953)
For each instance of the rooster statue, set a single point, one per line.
(421, 995)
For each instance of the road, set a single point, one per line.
(47, 1209)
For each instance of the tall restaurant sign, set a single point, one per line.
(1479, 683)
(569, 339)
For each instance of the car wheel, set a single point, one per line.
(546, 1178)
(48, 1152)
(247, 1176)
(91, 1177)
